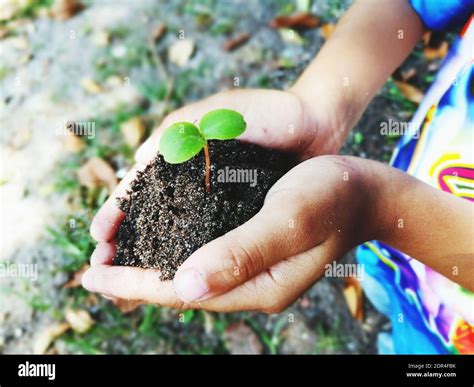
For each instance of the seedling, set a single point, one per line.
(183, 140)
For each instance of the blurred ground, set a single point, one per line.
(109, 64)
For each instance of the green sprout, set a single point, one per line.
(183, 140)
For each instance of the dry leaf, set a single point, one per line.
(91, 300)
(75, 280)
(44, 339)
(410, 92)
(10, 8)
(181, 51)
(114, 81)
(408, 74)
(241, 339)
(298, 20)
(208, 322)
(64, 9)
(133, 130)
(236, 42)
(101, 38)
(426, 37)
(90, 86)
(21, 138)
(158, 32)
(19, 42)
(291, 36)
(327, 29)
(96, 172)
(73, 143)
(433, 66)
(353, 296)
(126, 306)
(25, 59)
(436, 53)
(79, 319)
(4, 32)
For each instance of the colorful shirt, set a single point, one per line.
(429, 313)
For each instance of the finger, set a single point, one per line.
(284, 227)
(131, 283)
(275, 289)
(270, 291)
(103, 254)
(107, 220)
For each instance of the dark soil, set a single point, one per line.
(169, 214)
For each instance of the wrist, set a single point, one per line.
(367, 192)
(383, 185)
(335, 109)
(355, 188)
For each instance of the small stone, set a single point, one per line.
(181, 51)
(18, 332)
(101, 38)
(133, 130)
(91, 86)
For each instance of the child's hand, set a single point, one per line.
(275, 119)
(311, 217)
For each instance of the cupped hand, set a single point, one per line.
(275, 119)
(311, 217)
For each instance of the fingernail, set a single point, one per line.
(88, 281)
(190, 285)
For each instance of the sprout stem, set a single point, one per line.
(208, 168)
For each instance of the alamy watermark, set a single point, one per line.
(35, 370)
(233, 175)
(344, 270)
(19, 270)
(78, 128)
(397, 128)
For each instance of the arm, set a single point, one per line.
(369, 43)
(428, 224)
(334, 203)
(364, 48)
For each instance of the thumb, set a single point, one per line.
(284, 227)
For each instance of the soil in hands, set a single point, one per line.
(169, 214)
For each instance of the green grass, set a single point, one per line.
(273, 339)
(358, 138)
(107, 65)
(148, 328)
(222, 27)
(29, 9)
(75, 242)
(392, 93)
(4, 71)
(330, 341)
(334, 11)
(29, 295)
(186, 80)
(151, 315)
(153, 92)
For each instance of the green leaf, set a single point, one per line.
(222, 124)
(180, 142)
(187, 316)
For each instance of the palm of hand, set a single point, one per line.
(275, 119)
